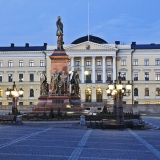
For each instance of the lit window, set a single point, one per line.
(157, 92)
(135, 76)
(109, 62)
(31, 63)
(10, 63)
(99, 63)
(20, 63)
(123, 62)
(135, 62)
(157, 102)
(146, 92)
(146, 75)
(88, 62)
(146, 62)
(42, 63)
(1, 93)
(147, 102)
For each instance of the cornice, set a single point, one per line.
(90, 50)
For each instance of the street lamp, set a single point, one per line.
(117, 91)
(14, 94)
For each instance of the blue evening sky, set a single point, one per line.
(33, 21)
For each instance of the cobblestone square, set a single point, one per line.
(24, 142)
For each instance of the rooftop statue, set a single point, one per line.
(59, 33)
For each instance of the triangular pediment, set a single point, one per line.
(90, 46)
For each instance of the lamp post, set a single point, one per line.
(14, 94)
(117, 90)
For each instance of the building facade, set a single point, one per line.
(139, 64)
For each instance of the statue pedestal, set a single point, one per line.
(75, 101)
(59, 61)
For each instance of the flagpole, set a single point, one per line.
(88, 20)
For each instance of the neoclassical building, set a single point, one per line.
(139, 64)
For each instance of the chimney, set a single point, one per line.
(27, 45)
(12, 44)
(133, 43)
(45, 44)
(117, 42)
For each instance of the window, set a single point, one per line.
(147, 102)
(31, 93)
(157, 102)
(88, 78)
(123, 76)
(1, 93)
(136, 92)
(123, 102)
(77, 62)
(31, 77)
(157, 76)
(88, 95)
(10, 103)
(20, 77)
(108, 62)
(157, 61)
(31, 103)
(21, 103)
(10, 78)
(98, 76)
(146, 62)
(0, 78)
(31, 63)
(135, 76)
(109, 76)
(135, 62)
(10, 63)
(146, 92)
(20, 63)
(146, 75)
(88, 62)
(0, 103)
(99, 94)
(99, 63)
(157, 92)
(0, 63)
(123, 62)
(42, 63)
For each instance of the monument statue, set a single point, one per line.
(75, 84)
(63, 83)
(43, 83)
(59, 33)
(54, 81)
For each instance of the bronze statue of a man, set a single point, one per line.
(59, 33)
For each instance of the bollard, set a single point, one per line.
(19, 119)
(82, 120)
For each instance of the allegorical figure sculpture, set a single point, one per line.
(54, 81)
(43, 83)
(59, 33)
(63, 83)
(75, 84)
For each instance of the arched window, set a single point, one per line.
(88, 94)
(99, 94)
(136, 92)
(157, 92)
(31, 93)
(146, 92)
